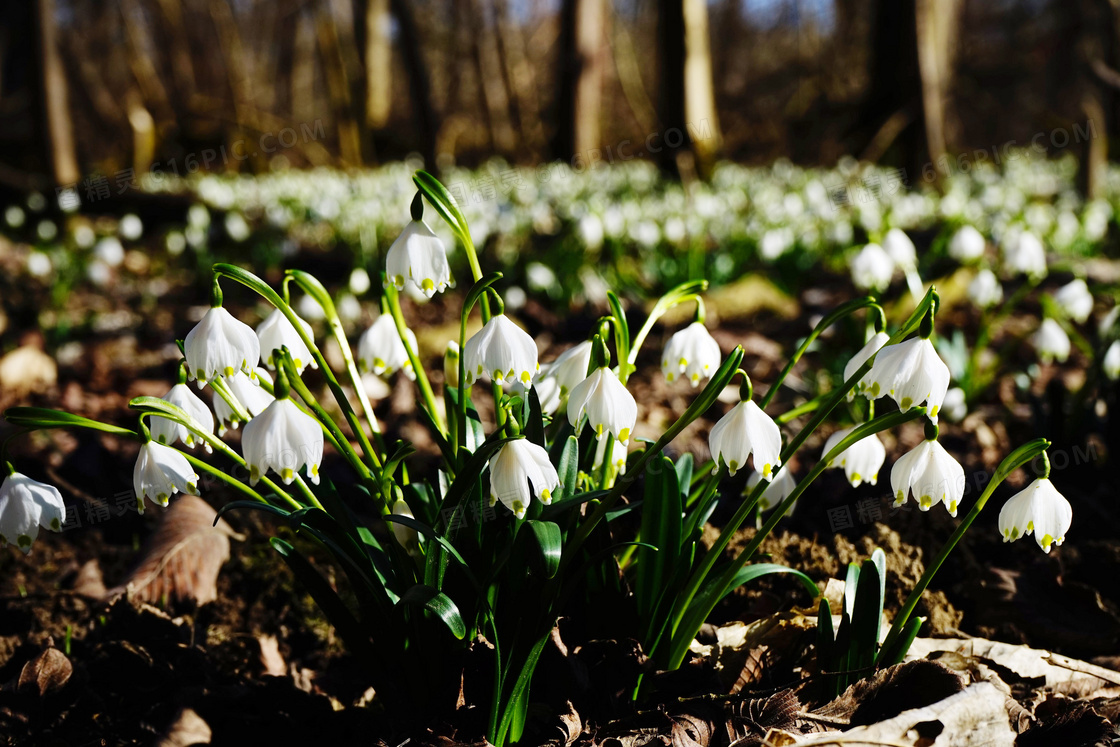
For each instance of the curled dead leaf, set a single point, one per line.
(46, 673)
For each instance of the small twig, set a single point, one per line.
(1083, 667)
(821, 719)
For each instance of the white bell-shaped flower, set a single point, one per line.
(967, 244)
(418, 256)
(693, 352)
(985, 289)
(1051, 342)
(1075, 300)
(744, 430)
(1023, 254)
(776, 492)
(872, 268)
(160, 472)
(408, 537)
(503, 352)
(910, 372)
(381, 351)
(219, 345)
(277, 332)
(248, 393)
(518, 470)
(284, 439)
(861, 461)
(1039, 509)
(1111, 363)
(619, 452)
(167, 431)
(26, 505)
(877, 341)
(558, 378)
(931, 474)
(608, 404)
(900, 248)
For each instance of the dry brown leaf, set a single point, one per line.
(1022, 661)
(46, 673)
(89, 582)
(188, 729)
(182, 558)
(896, 689)
(691, 731)
(571, 726)
(271, 659)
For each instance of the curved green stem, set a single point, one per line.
(1016, 459)
(682, 293)
(840, 313)
(232, 482)
(394, 300)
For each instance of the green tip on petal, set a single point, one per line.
(23, 541)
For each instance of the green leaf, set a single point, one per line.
(684, 469)
(442, 201)
(43, 417)
(754, 571)
(439, 604)
(569, 470)
(866, 617)
(547, 545)
(661, 526)
(534, 421)
(268, 508)
(897, 651)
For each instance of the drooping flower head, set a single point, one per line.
(743, 431)
(1039, 509)
(284, 439)
(985, 290)
(608, 404)
(1111, 363)
(967, 244)
(276, 332)
(219, 345)
(900, 248)
(931, 475)
(1075, 299)
(519, 470)
(861, 461)
(1023, 254)
(872, 268)
(777, 491)
(418, 257)
(247, 392)
(160, 473)
(911, 373)
(503, 352)
(558, 378)
(26, 505)
(167, 431)
(1051, 342)
(877, 341)
(693, 352)
(381, 350)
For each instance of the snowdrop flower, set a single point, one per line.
(861, 461)
(26, 505)
(900, 248)
(1040, 509)
(1023, 253)
(1051, 342)
(619, 452)
(249, 394)
(418, 256)
(381, 351)
(985, 289)
(967, 244)
(1075, 300)
(219, 345)
(877, 341)
(284, 439)
(691, 351)
(931, 474)
(776, 492)
(277, 332)
(955, 406)
(910, 372)
(1111, 362)
(609, 406)
(560, 377)
(408, 538)
(502, 351)
(744, 430)
(166, 431)
(519, 470)
(160, 472)
(872, 268)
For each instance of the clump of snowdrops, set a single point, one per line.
(516, 530)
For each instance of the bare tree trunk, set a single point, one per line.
(582, 60)
(379, 60)
(937, 23)
(691, 136)
(60, 134)
(420, 80)
(495, 98)
(338, 85)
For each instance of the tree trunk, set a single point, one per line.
(690, 137)
(582, 59)
(937, 22)
(420, 82)
(56, 108)
(378, 62)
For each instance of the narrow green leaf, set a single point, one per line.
(569, 469)
(442, 201)
(866, 618)
(43, 417)
(661, 526)
(547, 545)
(897, 651)
(440, 605)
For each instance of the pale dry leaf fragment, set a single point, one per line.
(46, 673)
(1028, 663)
(27, 369)
(182, 558)
(271, 659)
(187, 729)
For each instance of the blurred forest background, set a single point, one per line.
(97, 87)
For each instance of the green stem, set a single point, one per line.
(1016, 459)
(394, 300)
(840, 313)
(682, 293)
(233, 483)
